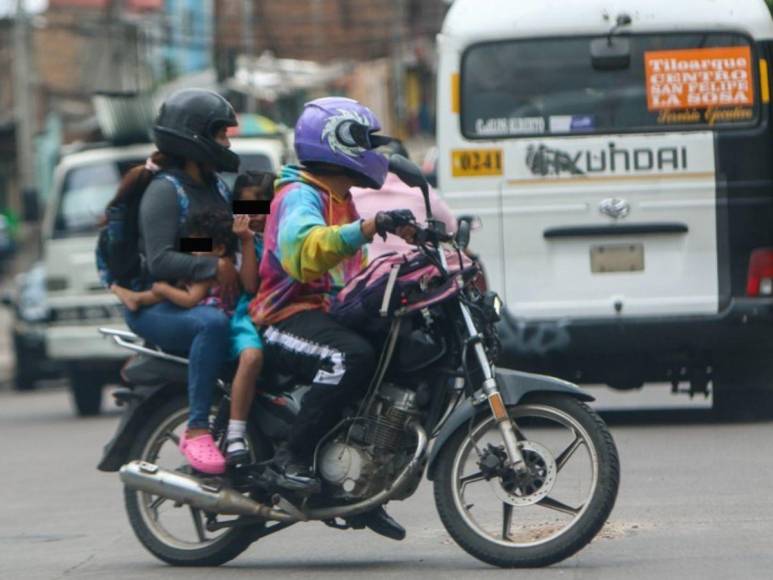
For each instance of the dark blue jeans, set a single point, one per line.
(202, 332)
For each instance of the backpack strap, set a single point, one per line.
(223, 189)
(183, 203)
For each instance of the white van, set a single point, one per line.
(619, 155)
(258, 154)
(84, 182)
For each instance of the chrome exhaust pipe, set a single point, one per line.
(206, 495)
(212, 497)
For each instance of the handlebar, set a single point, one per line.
(434, 233)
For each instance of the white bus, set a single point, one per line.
(620, 157)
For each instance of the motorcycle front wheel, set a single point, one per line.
(538, 518)
(176, 533)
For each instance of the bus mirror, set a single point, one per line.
(610, 53)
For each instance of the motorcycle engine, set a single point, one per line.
(364, 459)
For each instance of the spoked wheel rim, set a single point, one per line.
(541, 493)
(182, 527)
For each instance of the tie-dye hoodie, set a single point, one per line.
(312, 247)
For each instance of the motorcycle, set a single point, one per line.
(525, 474)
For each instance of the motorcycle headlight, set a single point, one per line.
(497, 304)
(492, 306)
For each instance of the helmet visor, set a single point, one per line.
(354, 134)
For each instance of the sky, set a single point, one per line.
(8, 7)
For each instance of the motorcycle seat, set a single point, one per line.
(142, 369)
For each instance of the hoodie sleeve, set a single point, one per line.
(308, 248)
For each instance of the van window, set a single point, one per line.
(86, 192)
(550, 86)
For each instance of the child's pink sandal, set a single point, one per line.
(202, 453)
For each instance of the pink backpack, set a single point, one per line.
(395, 284)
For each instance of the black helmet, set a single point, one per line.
(186, 124)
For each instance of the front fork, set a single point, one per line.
(498, 409)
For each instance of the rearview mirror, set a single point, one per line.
(406, 170)
(410, 174)
(474, 221)
(463, 234)
(610, 53)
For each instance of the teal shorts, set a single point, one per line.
(243, 332)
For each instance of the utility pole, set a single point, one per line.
(23, 105)
(248, 45)
(114, 32)
(398, 74)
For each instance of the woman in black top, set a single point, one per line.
(178, 179)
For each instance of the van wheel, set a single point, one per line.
(26, 366)
(86, 391)
(743, 391)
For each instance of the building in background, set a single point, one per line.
(87, 46)
(7, 123)
(388, 45)
(188, 36)
(76, 48)
(379, 52)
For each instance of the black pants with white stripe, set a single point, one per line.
(336, 361)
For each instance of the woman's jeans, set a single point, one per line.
(202, 333)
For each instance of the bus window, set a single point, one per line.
(526, 87)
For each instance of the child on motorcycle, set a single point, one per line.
(214, 226)
(245, 340)
(246, 345)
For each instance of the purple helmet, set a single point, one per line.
(339, 131)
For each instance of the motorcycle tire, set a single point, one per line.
(579, 533)
(227, 547)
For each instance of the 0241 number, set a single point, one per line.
(476, 162)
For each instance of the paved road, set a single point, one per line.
(695, 503)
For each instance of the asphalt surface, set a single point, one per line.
(695, 502)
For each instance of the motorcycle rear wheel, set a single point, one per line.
(547, 530)
(171, 541)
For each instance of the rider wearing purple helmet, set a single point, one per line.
(313, 244)
(341, 133)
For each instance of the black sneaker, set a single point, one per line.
(238, 457)
(378, 521)
(276, 479)
(286, 471)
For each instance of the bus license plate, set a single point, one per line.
(617, 258)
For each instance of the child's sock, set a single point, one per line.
(236, 430)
